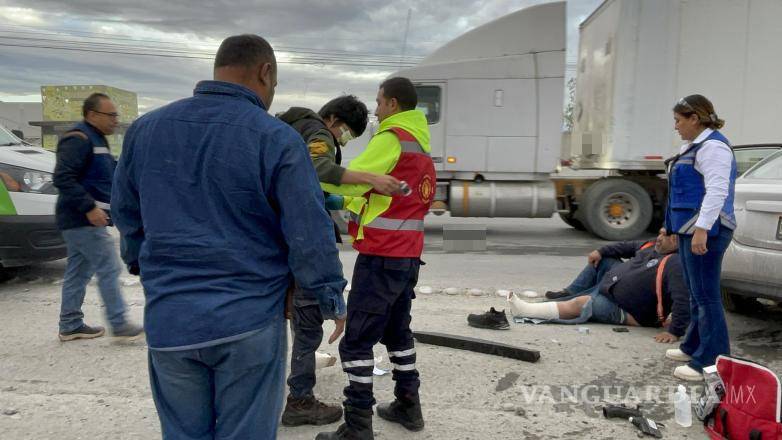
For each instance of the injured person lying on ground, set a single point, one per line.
(646, 289)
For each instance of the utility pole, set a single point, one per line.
(404, 41)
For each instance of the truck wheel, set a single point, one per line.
(616, 209)
(571, 220)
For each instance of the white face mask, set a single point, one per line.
(345, 137)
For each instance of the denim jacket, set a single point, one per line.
(219, 205)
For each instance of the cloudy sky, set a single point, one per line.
(325, 48)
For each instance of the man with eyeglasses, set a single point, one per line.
(83, 175)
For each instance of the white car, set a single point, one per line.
(28, 231)
(752, 267)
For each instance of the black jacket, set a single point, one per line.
(632, 285)
(83, 175)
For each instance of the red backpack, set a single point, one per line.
(752, 404)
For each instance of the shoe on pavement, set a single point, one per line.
(685, 372)
(83, 332)
(309, 411)
(324, 360)
(677, 354)
(357, 426)
(409, 415)
(492, 320)
(127, 331)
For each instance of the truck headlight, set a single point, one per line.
(17, 179)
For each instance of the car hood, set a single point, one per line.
(26, 156)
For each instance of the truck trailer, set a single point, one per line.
(494, 101)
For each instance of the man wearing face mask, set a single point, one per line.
(338, 122)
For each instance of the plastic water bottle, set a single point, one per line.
(682, 407)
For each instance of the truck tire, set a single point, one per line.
(616, 209)
(572, 221)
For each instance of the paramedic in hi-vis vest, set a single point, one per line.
(388, 233)
(701, 182)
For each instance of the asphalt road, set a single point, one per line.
(98, 389)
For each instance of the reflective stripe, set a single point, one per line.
(690, 224)
(102, 205)
(101, 150)
(727, 221)
(392, 224)
(359, 379)
(353, 364)
(402, 353)
(412, 147)
(407, 367)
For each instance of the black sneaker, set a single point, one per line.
(492, 320)
(127, 331)
(83, 332)
(557, 294)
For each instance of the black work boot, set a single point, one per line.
(407, 414)
(357, 426)
(309, 411)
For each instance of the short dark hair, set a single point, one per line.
(701, 106)
(348, 109)
(403, 90)
(246, 50)
(92, 103)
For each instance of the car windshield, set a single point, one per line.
(7, 139)
(769, 168)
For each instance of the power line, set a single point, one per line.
(302, 60)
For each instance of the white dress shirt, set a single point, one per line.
(713, 161)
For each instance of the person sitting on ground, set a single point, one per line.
(641, 291)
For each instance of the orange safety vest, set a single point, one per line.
(399, 230)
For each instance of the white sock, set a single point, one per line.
(524, 309)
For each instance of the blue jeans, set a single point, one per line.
(90, 251)
(707, 335)
(599, 308)
(227, 391)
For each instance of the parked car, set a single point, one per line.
(752, 267)
(749, 155)
(28, 231)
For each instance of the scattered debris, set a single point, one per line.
(477, 345)
(508, 407)
(621, 330)
(347, 288)
(583, 330)
(130, 281)
(10, 412)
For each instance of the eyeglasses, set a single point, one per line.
(683, 102)
(111, 115)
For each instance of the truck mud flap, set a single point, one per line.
(477, 345)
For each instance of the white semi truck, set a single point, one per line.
(494, 97)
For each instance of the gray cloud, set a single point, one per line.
(357, 26)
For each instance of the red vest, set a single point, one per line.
(399, 231)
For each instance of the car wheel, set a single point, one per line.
(738, 303)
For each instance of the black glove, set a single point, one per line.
(133, 269)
